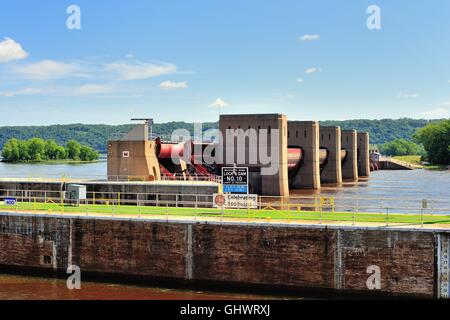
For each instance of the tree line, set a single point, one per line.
(97, 135)
(432, 143)
(38, 149)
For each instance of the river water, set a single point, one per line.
(399, 185)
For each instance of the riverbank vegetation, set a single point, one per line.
(435, 138)
(39, 150)
(97, 135)
(402, 147)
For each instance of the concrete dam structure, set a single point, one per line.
(304, 154)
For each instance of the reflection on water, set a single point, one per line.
(13, 287)
(399, 191)
(96, 170)
(431, 184)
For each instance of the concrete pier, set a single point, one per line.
(363, 154)
(246, 131)
(305, 134)
(350, 163)
(372, 261)
(330, 138)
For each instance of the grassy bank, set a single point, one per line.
(415, 160)
(264, 215)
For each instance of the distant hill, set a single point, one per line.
(384, 130)
(94, 135)
(97, 135)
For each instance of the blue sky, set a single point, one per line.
(171, 60)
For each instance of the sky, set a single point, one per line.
(179, 60)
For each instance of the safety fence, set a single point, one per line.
(312, 208)
(168, 177)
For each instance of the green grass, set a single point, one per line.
(415, 160)
(229, 213)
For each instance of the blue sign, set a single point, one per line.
(10, 201)
(235, 180)
(234, 189)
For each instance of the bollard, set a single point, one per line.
(387, 217)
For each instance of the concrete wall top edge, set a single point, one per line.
(330, 127)
(231, 223)
(252, 116)
(295, 122)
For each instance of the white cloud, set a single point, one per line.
(21, 92)
(92, 89)
(219, 103)
(140, 70)
(11, 50)
(299, 80)
(312, 70)
(129, 56)
(48, 69)
(309, 37)
(406, 95)
(436, 113)
(173, 85)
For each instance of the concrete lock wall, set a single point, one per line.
(276, 184)
(129, 191)
(371, 261)
(305, 134)
(363, 154)
(350, 163)
(330, 138)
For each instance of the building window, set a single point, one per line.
(304, 134)
(126, 154)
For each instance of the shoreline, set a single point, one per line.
(55, 162)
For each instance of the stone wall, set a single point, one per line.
(286, 256)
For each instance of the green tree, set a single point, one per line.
(88, 154)
(11, 152)
(36, 147)
(60, 153)
(73, 150)
(51, 150)
(24, 151)
(402, 147)
(435, 138)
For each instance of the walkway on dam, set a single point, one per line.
(227, 220)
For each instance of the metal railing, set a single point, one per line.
(318, 209)
(175, 177)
